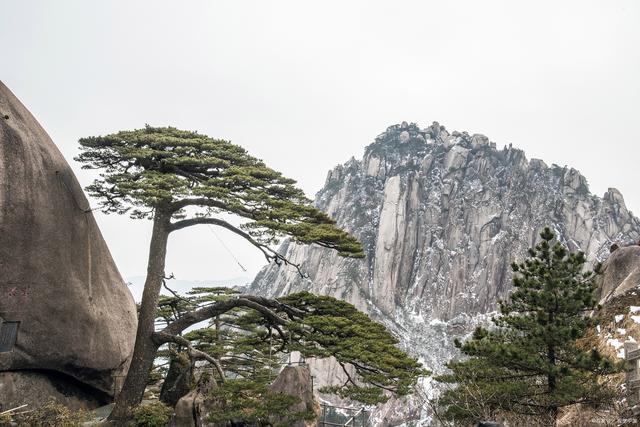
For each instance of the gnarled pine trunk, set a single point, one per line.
(145, 349)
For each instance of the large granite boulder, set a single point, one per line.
(621, 273)
(618, 324)
(296, 381)
(67, 319)
(193, 409)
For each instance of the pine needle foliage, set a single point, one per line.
(181, 179)
(531, 363)
(373, 364)
(243, 347)
(253, 403)
(153, 168)
(250, 347)
(248, 356)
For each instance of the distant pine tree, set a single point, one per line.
(532, 363)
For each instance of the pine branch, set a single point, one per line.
(163, 338)
(269, 254)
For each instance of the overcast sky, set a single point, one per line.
(306, 85)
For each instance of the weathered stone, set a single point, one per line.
(296, 381)
(478, 140)
(373, 165)
(34, 388)
(436, 132)
(575, 181)
(179, 379)
(440, 237)
(456, 157)
(193, 409)
(77, 317)
(621, 273)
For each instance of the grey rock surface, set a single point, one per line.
(193, 409)
(621, 273)
(441, 217)
(296, 381)
(34, 388)
(179, 380)
(77, 317)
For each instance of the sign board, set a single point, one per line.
(8, 335)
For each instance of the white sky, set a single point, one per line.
(306, 85)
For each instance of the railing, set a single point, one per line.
(632, 355)
(357, 417)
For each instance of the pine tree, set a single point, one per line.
(247, 361)
(372, 363)
(532, 362)
(181, 179)
(247, 350)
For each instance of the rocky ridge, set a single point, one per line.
(441, 216)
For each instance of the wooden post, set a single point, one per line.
(631, 355)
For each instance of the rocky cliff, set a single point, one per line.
(67, 320)
(441, 217)
(618, 324)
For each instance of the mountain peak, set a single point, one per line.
(441, 216)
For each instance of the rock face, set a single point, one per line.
(193, 409)
(33, 388)
(77, 319)
(178, 381)
(621, 273)
(296, 381)
(441, 217)
(618, 324)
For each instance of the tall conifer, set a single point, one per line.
(532, 363)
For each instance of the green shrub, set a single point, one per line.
(152, 415)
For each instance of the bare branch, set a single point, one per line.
(174, 293)
(292, 312)
(346, 372)
(203, 201)
(221, 307)
(162, 337)
(269, 254)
